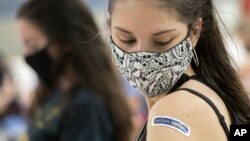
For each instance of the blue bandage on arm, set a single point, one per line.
(171, 123)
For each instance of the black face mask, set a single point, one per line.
(43, 65)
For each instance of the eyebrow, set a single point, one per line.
(164, 31)
(123, 30)
(154, 34)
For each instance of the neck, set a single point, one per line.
(68, 79)
(152, 100)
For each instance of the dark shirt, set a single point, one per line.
(87, 120)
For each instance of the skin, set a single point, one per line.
(34, 40)
(150, 28)
(7, 93)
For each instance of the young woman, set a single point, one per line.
(79, 97)
(173, 52)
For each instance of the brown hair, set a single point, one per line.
(70, 23)
(215, 67)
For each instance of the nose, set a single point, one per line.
(143, 47)
(139, 48)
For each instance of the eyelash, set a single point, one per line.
(130, 42)
(163, 43)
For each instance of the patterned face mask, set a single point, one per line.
(153, 73)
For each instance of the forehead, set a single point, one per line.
(24, 24)
(27, 28)
(143, 13)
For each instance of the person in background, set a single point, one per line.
(12, 119)
(79, 97)
(243, 52)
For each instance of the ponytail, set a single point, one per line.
(215, 66)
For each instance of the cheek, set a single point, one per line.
(23, 34)
(24, 30)
(56, 52)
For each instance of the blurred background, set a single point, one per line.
(17, 87)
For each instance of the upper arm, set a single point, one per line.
(185, 111)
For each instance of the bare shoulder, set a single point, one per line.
(184, 116)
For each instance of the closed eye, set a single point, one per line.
(163, 43)
(128, 41)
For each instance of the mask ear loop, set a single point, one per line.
(195, 57)
(111, 42)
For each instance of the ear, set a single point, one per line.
(196, 31)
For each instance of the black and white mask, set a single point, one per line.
(154, 73)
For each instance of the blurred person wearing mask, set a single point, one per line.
(12, 120)
(79, 97)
